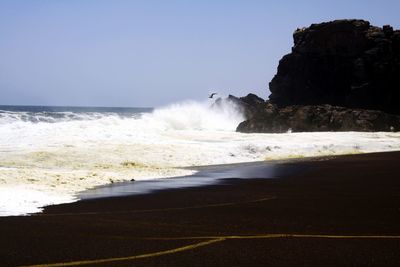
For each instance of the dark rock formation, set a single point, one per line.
(342, 75)
(318, 118)
(345, 63)
(249, 105)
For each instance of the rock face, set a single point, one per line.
(318, 118)
(342, 75)
(249, 105)
(345, 63)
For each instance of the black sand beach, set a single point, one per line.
(341, 211)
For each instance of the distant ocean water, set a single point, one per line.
(52, 114)
(49, 154)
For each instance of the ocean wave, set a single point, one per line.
(67, 156)
(193, 115)
(189, 115)
(8, 117)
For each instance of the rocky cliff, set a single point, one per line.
(345, 63)
(341, 75)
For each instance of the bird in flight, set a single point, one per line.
(212, 95)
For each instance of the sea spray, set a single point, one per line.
(201, 116)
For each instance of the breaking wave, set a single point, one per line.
(48, 155)
(193, 115)
(189, 115)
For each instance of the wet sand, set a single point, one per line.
(342, 211)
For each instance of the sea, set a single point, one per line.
(50, 155)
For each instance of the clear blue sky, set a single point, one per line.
(151, 53)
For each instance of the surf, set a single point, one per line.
(52, 155)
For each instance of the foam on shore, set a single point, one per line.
(48, 162)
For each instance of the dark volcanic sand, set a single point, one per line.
(349, 195)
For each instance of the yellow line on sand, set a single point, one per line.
(265, 236)
(213, 239)
(155, 254)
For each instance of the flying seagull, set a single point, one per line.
(212, 95)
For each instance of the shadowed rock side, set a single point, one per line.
(318, 118)
(342, 75)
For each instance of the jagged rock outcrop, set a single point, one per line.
(318, 118)
(248, 105)
(346, 63)
(342, 75)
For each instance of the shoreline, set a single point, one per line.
(343, 211)
(206, 175)
(57, 167)
(203, 176)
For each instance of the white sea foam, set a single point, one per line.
(198, 116)
(47, 161)
(23, 199)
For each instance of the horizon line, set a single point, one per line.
(69, 106)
